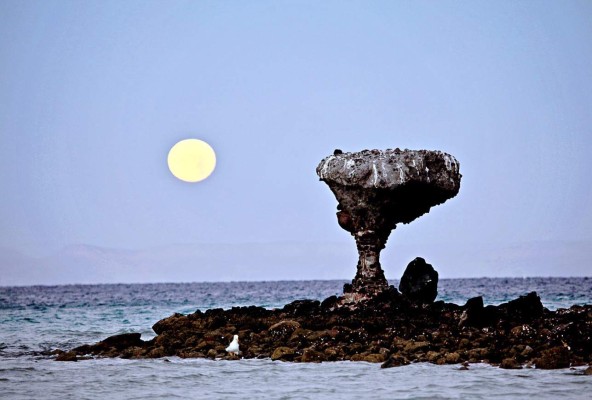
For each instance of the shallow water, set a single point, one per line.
(265, 379)
(43, 318)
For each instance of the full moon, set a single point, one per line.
(191, 160)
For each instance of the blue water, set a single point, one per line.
(39, 318)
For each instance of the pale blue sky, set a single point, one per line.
(94, 93)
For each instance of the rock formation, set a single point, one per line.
(419, 282)
(387, 329)
(376, 190)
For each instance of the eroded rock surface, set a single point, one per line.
(376, 190)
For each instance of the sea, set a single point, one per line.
(37, 319)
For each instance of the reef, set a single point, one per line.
(373, 321)
(390, 329)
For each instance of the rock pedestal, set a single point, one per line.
(376, 190)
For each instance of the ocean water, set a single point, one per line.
(39, 318)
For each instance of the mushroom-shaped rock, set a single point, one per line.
(377, 189)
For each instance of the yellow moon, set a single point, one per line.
(192, 160)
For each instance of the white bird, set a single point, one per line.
(233, 346)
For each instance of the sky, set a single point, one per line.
(93, 95)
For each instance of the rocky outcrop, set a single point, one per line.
(389, 330)
(419, 282)
(376, 190)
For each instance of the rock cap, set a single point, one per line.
(389, 169)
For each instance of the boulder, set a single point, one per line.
(123, 341)
(419, 282)
(510, 363)
(283, 328)
(113, 344)
(302, 307)
(395, 361)
(524, 308)
(452, 358)
(553, 358)
(474, 314)
(311, 355)
(67, 356)
(283, 353)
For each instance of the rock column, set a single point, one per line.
(369, 276)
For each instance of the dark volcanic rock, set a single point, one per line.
(419, 282)
(510, 363)
(283, 353)
(395, 361)
(283, 328)
(378, 189)
(387, 329)
(524, 308)
(122, 341)
(475, 314)
(556, 357)
(471, 315)
(67, 356)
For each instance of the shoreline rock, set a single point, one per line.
(389, 330)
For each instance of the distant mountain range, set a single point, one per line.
(177, 263)
(286, 261)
